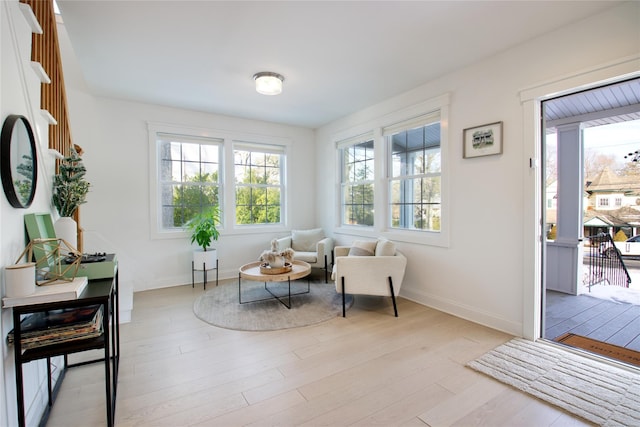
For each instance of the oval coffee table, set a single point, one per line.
(251, 271)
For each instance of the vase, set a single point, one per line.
(205, 260)
(20, 279)
(278, 262)
(66, 228)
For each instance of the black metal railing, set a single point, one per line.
(604, 264)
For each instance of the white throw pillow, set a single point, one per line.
(385, 248)
(306, 240)
(363, 248)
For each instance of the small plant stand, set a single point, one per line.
(204, 269)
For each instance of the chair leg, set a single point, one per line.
(326, 270)
(393, 297)
(344, 311)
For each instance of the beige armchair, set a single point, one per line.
(311, 246)
(369, 268)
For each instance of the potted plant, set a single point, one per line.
(69, 191)
(204, 230)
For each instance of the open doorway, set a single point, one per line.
(591, 195)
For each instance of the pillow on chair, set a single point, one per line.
(362, 248)
(385, 248)
(306, 240)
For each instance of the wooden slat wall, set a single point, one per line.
(45, 50)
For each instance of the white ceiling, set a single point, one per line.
(337, 56)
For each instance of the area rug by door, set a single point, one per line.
(622, 354)
(604, 394)
(219, 306)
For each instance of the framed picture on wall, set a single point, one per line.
(485, 140)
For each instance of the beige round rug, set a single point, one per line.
(219, 306)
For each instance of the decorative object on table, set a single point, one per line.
(483, 140)
(276, 261)
(18, 161)
(69, 191)
(20, 279)
(204, 230)
(49, 255)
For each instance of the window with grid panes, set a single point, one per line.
(259, 183)
(415, 186)
(357, 181)
(189, 177)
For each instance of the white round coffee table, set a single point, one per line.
(251, 271)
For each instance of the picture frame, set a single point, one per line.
(485, 140)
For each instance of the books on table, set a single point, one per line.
(58, 326)
(57, 291)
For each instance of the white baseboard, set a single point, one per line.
(465, 312)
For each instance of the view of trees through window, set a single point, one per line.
(258, 187)
(357, 184)
(189, 175)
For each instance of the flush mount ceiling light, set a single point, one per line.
(268, 83)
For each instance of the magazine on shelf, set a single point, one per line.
(62, 325)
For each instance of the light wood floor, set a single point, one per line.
(366, 369)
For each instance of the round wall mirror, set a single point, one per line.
(18, 161)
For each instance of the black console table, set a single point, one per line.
(98, 291)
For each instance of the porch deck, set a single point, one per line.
(604, 320)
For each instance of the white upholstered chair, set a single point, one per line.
(369, 268)
(310, 246)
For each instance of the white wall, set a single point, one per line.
(480, 275)
(114, 136)
(20, 94)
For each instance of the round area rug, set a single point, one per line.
(219, 306)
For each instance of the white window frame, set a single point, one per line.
(395, 129)
(188, 135)
(226, 191)
(344, 182)
(375, 126)
(280, 150)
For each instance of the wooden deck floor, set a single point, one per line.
(603, 320)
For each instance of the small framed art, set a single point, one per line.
(484, 140)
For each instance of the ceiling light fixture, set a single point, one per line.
(268, 83)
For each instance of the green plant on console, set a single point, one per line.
(69, 186)
(203, 227)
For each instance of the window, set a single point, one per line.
(603, 201)
(259, 183)
(618, 201)
(357, 178)
(189, 177)
(415, 186)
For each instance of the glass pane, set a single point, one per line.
(347, 194)
(191, 172)
(430, 190)
(209, 172)
(432, 160)
(169, 171)
(272, 176)
(209, 153)
(191, 152)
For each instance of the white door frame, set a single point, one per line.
(530, 99)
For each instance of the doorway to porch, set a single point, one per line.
(590, 189)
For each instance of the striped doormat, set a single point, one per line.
(596, 391)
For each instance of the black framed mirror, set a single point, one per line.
(18, 161)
